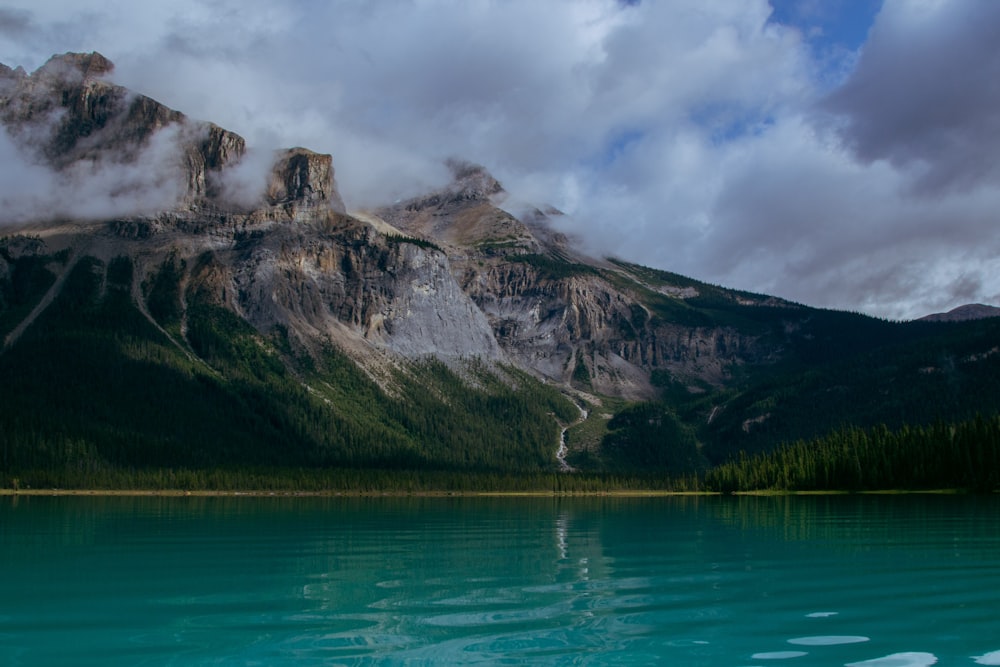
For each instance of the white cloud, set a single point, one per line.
(93, 188)
(694, 136)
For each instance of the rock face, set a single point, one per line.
(304, 177)
(582, 326)
(353, 287)
(206, 156)
(559, 315)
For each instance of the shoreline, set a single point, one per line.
(208, 493)
(333, 493)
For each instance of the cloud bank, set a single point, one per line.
(94, 188)
(760, 149)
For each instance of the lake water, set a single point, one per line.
(883, 581)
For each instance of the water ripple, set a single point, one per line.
(717, 582)
(828, 640)
(991, 658)
(778, 655)
(914, 659)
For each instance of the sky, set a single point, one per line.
(838, 153)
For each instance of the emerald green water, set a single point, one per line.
(875, 581)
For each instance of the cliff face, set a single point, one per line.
(584, 327)
(568, 318)
(344, 283)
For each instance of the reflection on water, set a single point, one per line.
(875, 581)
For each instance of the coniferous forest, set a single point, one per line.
(107, 396)
(938, 456)
(100, 389)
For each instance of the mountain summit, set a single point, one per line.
(970, 311)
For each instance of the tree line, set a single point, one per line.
(964, 456)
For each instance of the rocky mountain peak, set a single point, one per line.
(970, 311)
(471, 181)
(11, 74)
(302, 176)
(75, 68)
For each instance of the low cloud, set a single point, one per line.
(243, 184)
(707, 138)
(94, 188)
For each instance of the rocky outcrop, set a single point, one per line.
(305, 178)
(206, 156)
(462, 217)
(471, 182)
(67, 112)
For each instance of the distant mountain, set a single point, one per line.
(971, 311)
(175, 301)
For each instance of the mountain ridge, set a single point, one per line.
(969, 311)
(380, 338)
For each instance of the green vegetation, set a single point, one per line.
(948, 373)
(412, 240)
(961, 456)
(162, 292)
(24, 280)
(101, 390)
(186, 394)
(499, 245)
(581, 376)
(811, 335)
(339, 481)
(649, 436)
(552, 267)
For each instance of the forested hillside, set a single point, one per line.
(94, 384)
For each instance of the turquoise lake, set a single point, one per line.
(879, 581)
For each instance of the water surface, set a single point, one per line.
(874, 581)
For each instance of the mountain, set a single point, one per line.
(970, 311)
(177, 301)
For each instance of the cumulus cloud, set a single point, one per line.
(924, 94)
(725, 140)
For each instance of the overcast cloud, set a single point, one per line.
(776, 152)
